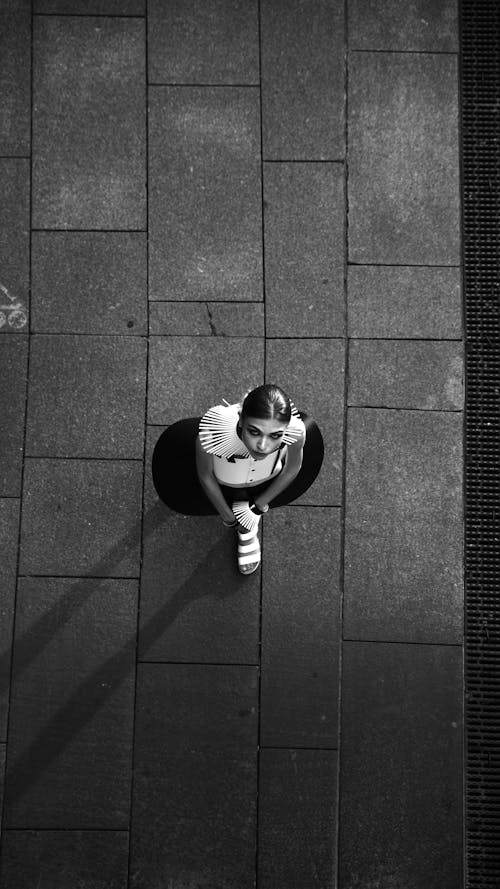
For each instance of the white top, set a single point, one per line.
(232, 463)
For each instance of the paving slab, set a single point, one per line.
(195, 776)
(304, 249)
(320, 393)
(420, 26)
(91, 7)
(302, 80)
(403, 159)
(187, 375)
(401, 766)
(15, 87)
(300, 603)
(13, 370)
(56, 859)
(405, 302)
(81, 517)
(297, 818)
(71, 714)
(192, 41)
(14, 243)
(89, 282)
(9, 534)
(403, 534)
(2, 776)
(89, 123)
(205, 194)
(86, 396)
(199, 607)
(206, 319)
(406, 374)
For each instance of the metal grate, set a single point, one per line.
(480, 145)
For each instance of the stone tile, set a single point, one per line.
(92, 7)
(195, 778)
(86, 396)
(71, 715)
(402, 373)
(13, 368)
(320, 393)
(401, 766)
(81, 517)
(421, 26)
(385, 301)
(15, 100)
(187, 375)
(297, 818)
(89, 282)
(89, 123)
(302, 80)
(403, 538)
(206, 319)
(304, 253)
(198, 607)
(191, 41)
(403, 159)
(205, 200)
(61, 858)
(2, 774)
(9, 532)
(14, 243)
(300, 679)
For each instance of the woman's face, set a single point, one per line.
(261, 437)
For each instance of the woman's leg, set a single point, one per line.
(174, 469)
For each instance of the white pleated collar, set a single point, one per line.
(219, 436)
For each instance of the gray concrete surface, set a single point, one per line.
(199, 197)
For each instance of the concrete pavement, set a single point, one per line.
(197, 197)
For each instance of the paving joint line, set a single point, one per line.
(263, 541)
(413, 410)
(409, 52)
(344, 442)
(401, 265)
(144, 456)
(298, 747)
(403, 642)
(157, 662)
(87, 15)
(156, 84)
(85, 459)
(23, 452)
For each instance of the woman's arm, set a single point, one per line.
(209, 483)
(290, 470)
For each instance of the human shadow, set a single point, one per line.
(97, 688)
(29, 646)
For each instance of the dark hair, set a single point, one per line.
(267, 402)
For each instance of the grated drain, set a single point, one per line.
(480, 152)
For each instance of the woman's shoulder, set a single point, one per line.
(217, 429)
(295, 431)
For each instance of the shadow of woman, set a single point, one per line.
(62, 727)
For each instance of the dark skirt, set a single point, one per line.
(176, 479)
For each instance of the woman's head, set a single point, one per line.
(264, 417)
(267, 402)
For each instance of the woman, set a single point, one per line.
(239, 460)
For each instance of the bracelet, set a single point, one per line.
(256, 509)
